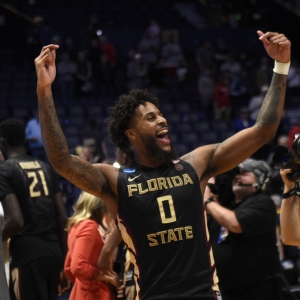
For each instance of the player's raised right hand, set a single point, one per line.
(45, 66)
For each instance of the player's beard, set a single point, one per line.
(157, 152)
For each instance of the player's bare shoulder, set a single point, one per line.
(111, 175)
(200, 158)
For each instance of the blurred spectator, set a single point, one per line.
(106, 76)
(93, 138)
(182, 76)
(293, 84)
(137, 73)
(94, 155)
(293, 131)
(205, 57)
(256, 102)
(206, 86)
(240, 90)
(232, 65)
(263, 73)
(69, 47)
(84, 73)
(243, 121)
(171, 53)
(108, 49)
(85, 153)
(94, 53)
(222, 100)
(66, 71)
(230, 10)
(172, 57)
(148, 47)
(154, 30)
(221, 52)
(34, 138)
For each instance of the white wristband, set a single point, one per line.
(281, 68)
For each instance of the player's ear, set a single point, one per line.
(130, 133)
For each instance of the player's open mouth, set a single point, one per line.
(162, 135)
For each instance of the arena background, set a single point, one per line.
(124, 23)
(27, 25)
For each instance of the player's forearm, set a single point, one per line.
(271, 110)
(10, 228)
(53, 138)
(112, 241)
(290, 221)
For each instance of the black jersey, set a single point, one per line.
(162, 220)
(34, 183)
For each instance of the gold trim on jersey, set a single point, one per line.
(215, 286)
(15, 275)
(132, 252)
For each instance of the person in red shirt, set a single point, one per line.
(86, 233)
(108, 49)
(222, 101)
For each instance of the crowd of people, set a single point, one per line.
(219, 81)
(174, 229)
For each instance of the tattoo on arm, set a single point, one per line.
(77, 171)
(53, 137)
(271, 110)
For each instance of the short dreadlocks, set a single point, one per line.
(122, 113)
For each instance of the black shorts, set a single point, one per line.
(37, 280)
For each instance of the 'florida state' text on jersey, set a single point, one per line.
(162, 220)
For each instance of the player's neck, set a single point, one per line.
(148, 161)
(14, 152)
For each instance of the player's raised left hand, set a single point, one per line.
(277, 45)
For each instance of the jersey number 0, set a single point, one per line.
(169, 201)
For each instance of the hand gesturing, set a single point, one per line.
(45, 65)
(277, 45)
